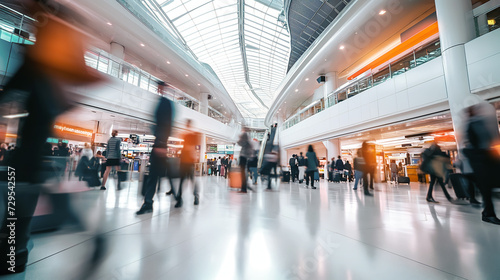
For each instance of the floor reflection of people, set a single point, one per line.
(312, 213)
(247, 213)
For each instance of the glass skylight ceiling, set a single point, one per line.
(250, 72)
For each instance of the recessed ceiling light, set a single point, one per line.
(285, 102)
(168, 62)
(142, 45)
(307, 79)
(342, 47)
(186, 75)
(109, 23)
(382, 12)
(296, 90)
(199, 85)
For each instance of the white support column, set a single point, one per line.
(204, 103)
(456, 27)
(330, 84)
(203, 147)
(333, 150)
(117, 50)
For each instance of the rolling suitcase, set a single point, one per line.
(235, 179)
(336, 177)
(286, 176)
(316, 176)
(403, 180)
(459, 183)
(222, 170)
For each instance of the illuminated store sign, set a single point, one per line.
(63, 128)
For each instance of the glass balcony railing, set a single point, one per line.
(416, 58)
(131, 74)
(17, 28)
(488, 20)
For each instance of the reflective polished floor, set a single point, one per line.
(292, 232)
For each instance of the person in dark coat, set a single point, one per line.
(359, 166)
(294, 167)
(481, 134)
(433, 153)
(246, 153)
(339, 165)
(164, 117)
(312, 166)
(370, 164)
(348, 170)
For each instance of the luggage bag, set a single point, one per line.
(403, 180)
(286, 176)
(336, 177)
(316, 176)
(235, 179)
(459, 183)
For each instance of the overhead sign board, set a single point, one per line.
(64, 128)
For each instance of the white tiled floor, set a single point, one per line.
(294, 233)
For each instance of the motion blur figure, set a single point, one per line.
(188, 159)
(164, 117)
(56, 60)
(482, 150)
(312, 166)
(246, 153)
(370, 164)
(113, 158)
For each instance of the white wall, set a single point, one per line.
(483, 59)
(418, 92)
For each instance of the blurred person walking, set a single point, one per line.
(294, 168)
(434, 163)
(348, 170)
(164, 117)
(54, 62)
(370, 158)
(113, 157)
(394, 171)
(302, 167)
(339, 165)
(188, 159)
(312, 166)
(219, 164)
(246, 153)
(359, 166)
(271, 164)
(482, 150)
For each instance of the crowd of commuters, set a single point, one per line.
(42, 79)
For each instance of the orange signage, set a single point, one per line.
(64, 128)
(406, 45)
